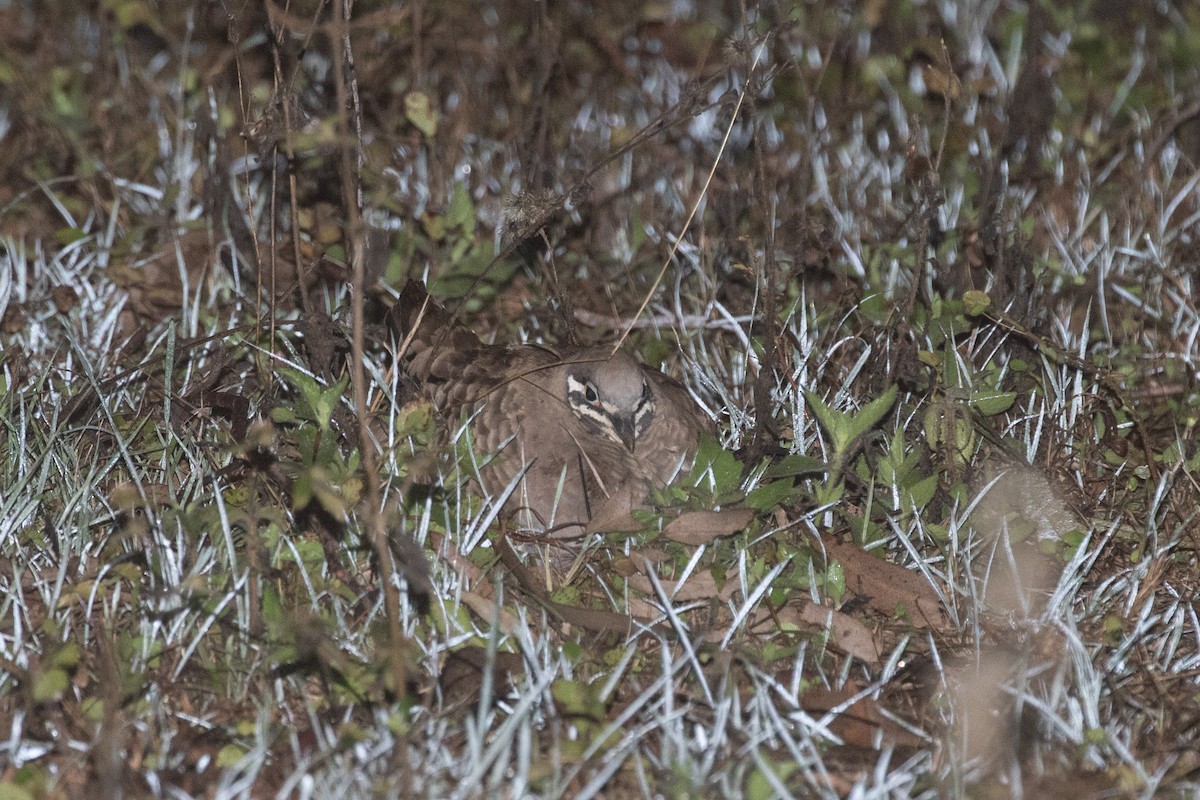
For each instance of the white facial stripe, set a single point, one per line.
(641, 419)
(577, 399)
(577, 393)
(598, 417)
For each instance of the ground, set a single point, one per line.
(930, 268)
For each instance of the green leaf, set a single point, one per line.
(932, 426)
(870, 414)
(67, 656)
(415, 420)
(230, 755)
(461, 214)
(129, 13)
(922, 491)
(67, 236)
(284, 415)
(473, 261)
(830, 493)
(272, 610)
(434, 226)
(876, 308)
(319, 401)
(721, 465)
(421, 113)
(976, 302)
(951, 373)
(760, 787)
(578, 699)
(329, 495)
(92, 709)
(327, 400)
(835, 582)
(771, 495)
(792, 465)
(844, 428)
(302, 490)
(831, 421)
(50, 685)
(991, 402)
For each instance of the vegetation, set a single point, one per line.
(930, 266)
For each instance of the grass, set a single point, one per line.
(954, 556)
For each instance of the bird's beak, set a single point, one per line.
(625, 430)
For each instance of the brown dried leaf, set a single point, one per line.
(845, 632)
(887, 587)
(699, 586)
(485, 608)
(638, 560)
(862, 723)
(701, 527)
(614, 515)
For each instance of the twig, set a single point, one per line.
(351, 194)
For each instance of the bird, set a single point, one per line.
(584, 432)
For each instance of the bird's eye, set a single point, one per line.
(589, 394)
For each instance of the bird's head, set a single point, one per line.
(613, 396)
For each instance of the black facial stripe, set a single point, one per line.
(646, 398)
(644, 411)
(577, 393)
(590, 413)
(643, 415)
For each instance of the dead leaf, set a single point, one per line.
(486, 609)
(862, 723)
(156, 284)
(845, 632)
(615, 515)
(701, 527)
(700, 585)
(638, 560)
(888, 588)
(644, 610)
